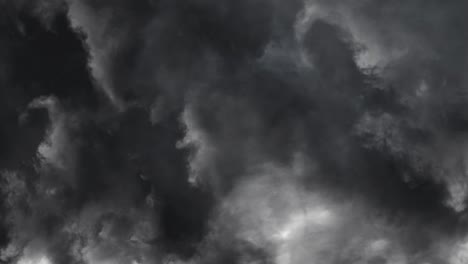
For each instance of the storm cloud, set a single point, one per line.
(248, 131)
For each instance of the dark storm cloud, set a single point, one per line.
(200, 131)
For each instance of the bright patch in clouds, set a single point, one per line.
(299, 222)
(34, 260)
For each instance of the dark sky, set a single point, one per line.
(233, 132)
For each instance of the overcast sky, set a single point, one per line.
(233, 132)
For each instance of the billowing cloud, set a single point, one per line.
(202, 131)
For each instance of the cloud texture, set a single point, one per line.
(243, 132)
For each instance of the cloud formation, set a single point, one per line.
(202, 131)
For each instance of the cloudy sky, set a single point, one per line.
(233, 132)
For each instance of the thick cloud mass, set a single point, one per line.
(243, 132)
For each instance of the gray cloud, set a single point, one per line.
(199, 131)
